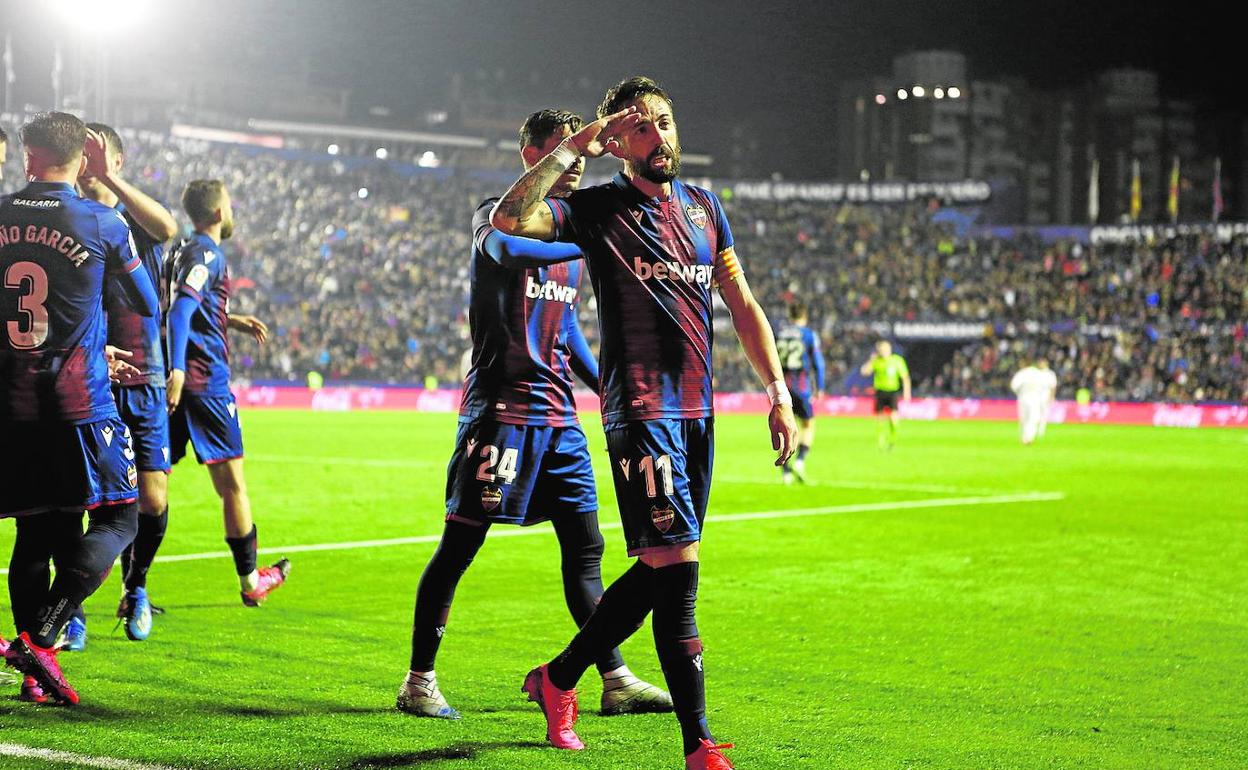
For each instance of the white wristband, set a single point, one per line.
(566, 153)
(779, 394)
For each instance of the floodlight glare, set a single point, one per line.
(918, 91)
(102, 17)
(880, 99)
(954, 92)
(332, 149)
(382, 152)
(938, 92)
(362, 193)
(903, 94)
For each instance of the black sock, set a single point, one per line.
(580, 546)
(244, 550)
(802, 451)
(137, 558)
(680, 649)
(458, 547)
(29, 573)
(109, 529)
(619, 614)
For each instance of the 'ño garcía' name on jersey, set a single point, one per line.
(45, 236)
(552, 291)
(672, 271)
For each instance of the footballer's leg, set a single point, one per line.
(420, 694)
(805, 437)
(143, 409)
(803, 410)
(566, 484)
(108, 481)
(478, 494)
(255, 583)
(215, 433)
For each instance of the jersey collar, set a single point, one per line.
(633, 195)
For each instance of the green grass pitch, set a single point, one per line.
(910, 610)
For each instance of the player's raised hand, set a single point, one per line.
(600, 137)
(783, 432)
(96, 152)
(119, 370)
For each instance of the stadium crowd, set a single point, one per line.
(360, 269)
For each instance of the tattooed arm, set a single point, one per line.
(523, 210)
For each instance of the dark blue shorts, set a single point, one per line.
(518, 474)
(662, 471)
(803, 408)
(52, 466)
(211, 424)
(143, 408)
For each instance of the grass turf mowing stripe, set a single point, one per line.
(70, 758)
(940, 502)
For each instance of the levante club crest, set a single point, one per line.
(662, 517)
(697, 215)
(491, 497)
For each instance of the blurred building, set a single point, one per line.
(931, 120)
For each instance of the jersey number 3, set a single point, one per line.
(31, 329)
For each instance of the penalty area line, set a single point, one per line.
(790, 513)
(70, 758)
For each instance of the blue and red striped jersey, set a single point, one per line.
(653, 264)
(127, 329)
(521, 321)
(198, 270)
(800, 359)
(56, 250)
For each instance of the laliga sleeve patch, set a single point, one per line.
(197, 277)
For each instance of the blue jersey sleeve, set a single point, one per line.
(197, 272)
(816, 357)
(579, 354)
(122, 262)
(722, 229)
(179, 321)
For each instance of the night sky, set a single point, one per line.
(770, 69)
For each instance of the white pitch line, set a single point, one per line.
(791, 513)
(70, 758)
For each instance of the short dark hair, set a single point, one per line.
(628, 90)
(110, 135)
(543, 124)
(201, 198)
(797, 310)
(59, 134)
(4, 137)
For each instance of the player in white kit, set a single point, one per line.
(1035, 386)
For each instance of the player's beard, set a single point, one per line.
(227, 230)
(661, 175)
